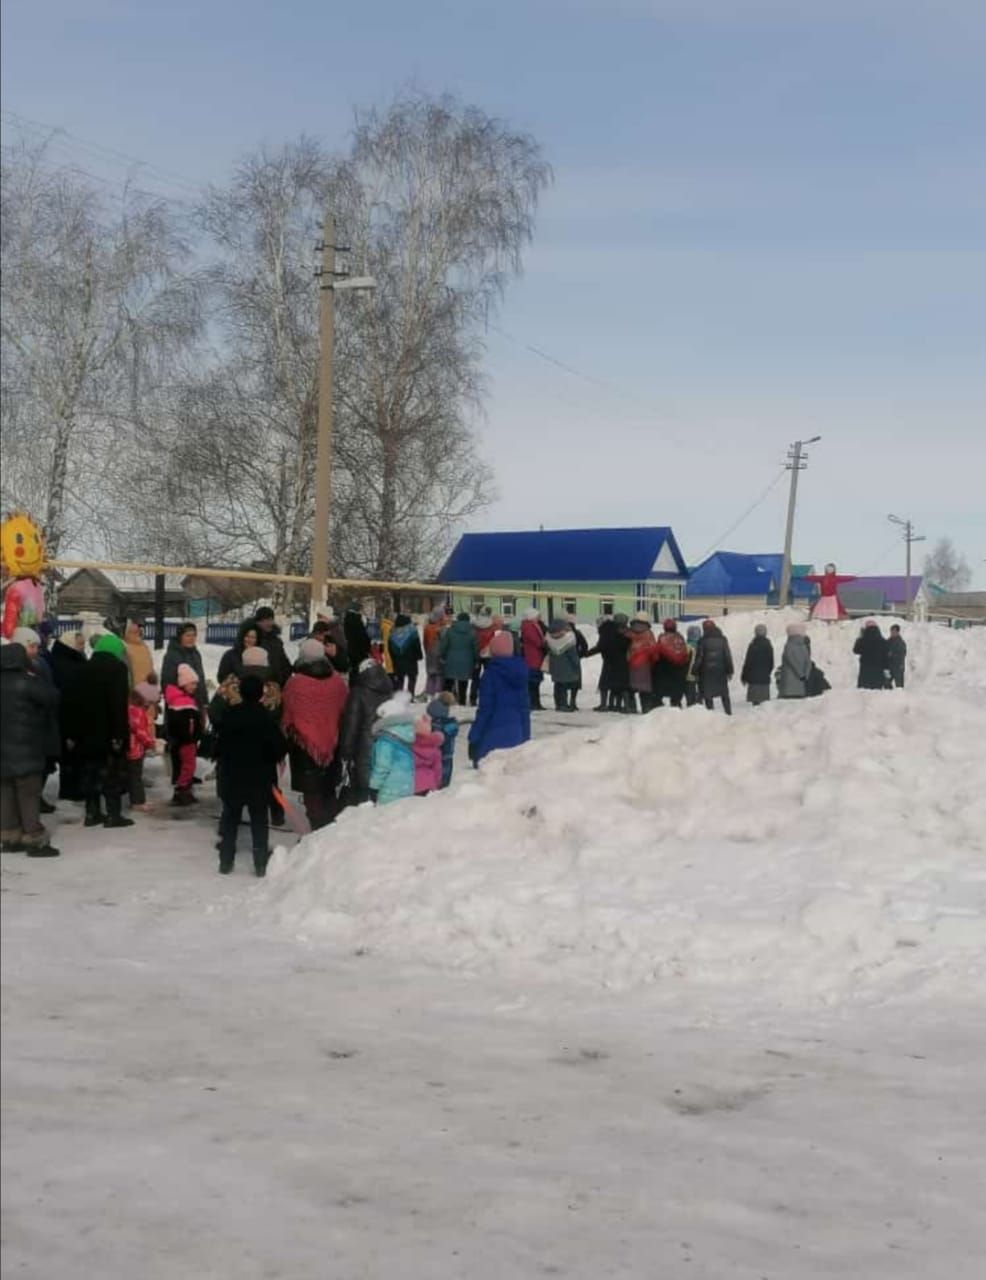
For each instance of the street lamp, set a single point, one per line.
(909, 537)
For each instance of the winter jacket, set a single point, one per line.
(231, 663)
(28, 718)
(564, 666)
(369, 690)
(896, 655)
(427, 749)
(433, 647)
(67, 663)
(314, 766)
(503, 716)
(141, 739)
(641, 656)
(612, 644)
(758, 665)
(139, 656)
(248, 751)
(460, 653)
(795, 668)
(336, 636)
(405, 649)
(174, 656)
(96, 717)
(278, 661)
(392, 764)
(874, 658)
(713, 664)
(484, 635)
(448, 727)
(532, 643)
(357, 639)
(182, 716)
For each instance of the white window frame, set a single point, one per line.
(476, 604)
(570, 605)
(607, 606)
(508, 607)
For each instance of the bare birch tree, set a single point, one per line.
(437, 202)
(93, 310)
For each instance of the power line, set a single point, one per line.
(602, 383)
(748, 512)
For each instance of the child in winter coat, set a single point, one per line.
(428, 763)
(564, 665)
(142, 741)
(184, 726)
(392, 759)
(443, 722)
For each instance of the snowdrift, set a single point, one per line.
(798, 854)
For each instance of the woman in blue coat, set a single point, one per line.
(503, 717)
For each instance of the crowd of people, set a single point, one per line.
(342, 718)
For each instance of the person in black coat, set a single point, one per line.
(357, 637)
(714, 667)
(26, 726)
(371, 687)
(67, 666)
(404, 646)
(249, 749)
(231, 663)
(896, 656)
(874, 656)
(98, 730)
(333, 638)
(758, 667)
(613, 644)
(183, 648)
(269, 635)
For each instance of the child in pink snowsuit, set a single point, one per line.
(184, 721)
(141, 741)
(427, 751)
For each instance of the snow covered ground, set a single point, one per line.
(680, 997)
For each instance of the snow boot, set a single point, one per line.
(46, 850)
(114, 813)
(260, 861)
(11, 846)
(225, 866)
(94, 814)
(182, 797)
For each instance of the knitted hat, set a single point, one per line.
(462, 617)
(502, 645)
(25, 636)
(437, 615)
(532, 615)
(398, 705)
(793, 629)
(708, 624)
(871, 622)
(669, 624)
(149, 692)
(558, 625)
(326, 613)
(761, 629)
(437, 709)
(311, 651)
(257, 657)
(642, 617)
(188, 677)
(107, 642)
(423, 725)
(694, 632)
(620, 619)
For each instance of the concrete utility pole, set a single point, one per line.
(323, 458)
(329, 281)
(909, 537)
(796, 462)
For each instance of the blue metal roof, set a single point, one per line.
(732, 573)
(564, 555)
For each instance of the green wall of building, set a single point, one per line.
(662, 599)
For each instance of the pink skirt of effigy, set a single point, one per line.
(826, 609)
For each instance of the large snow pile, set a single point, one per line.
(805, 852)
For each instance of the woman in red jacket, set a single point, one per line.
(534, 648)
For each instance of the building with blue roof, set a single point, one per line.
(730, 581)
(586, 572)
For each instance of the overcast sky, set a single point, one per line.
(767, 222)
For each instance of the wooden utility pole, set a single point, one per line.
(796, 462)
(323, 457)
(909, 537)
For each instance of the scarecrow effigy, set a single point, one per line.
(23, 551)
